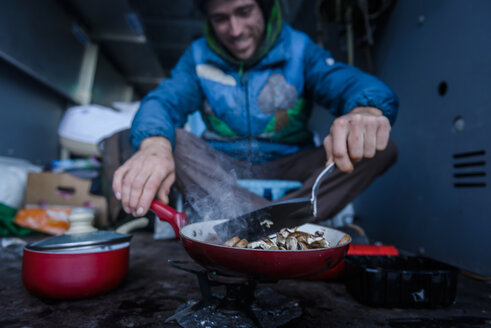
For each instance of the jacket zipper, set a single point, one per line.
(245, 81)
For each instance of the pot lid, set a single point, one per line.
(79, 240)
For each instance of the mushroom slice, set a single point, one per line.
(300, 236)
(280, 238)
(269, 244)
(302, 246)
(291, 243)
(261, 244)
(284, 232)
(232, 241)
(343, 240)
(320, 244)
(255, 244)
(242, 243)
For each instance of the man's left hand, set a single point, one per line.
(356, 135)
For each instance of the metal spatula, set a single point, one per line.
(317, 183)
(269, 219)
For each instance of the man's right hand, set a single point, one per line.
(149, 172)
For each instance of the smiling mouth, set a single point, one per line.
(241, 44)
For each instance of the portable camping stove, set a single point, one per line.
(235, 302)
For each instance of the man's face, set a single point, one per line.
(238, 25)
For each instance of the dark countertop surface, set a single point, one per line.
(153, 290)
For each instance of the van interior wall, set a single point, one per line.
(435, 200)
(30, 113)
(44, 65)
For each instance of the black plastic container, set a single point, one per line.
(401, 281)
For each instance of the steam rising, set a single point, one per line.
(221, 200)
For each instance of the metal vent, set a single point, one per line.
(470, 169)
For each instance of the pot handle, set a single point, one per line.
(166, 213)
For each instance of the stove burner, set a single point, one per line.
(234, 303)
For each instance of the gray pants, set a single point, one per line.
(208, 178)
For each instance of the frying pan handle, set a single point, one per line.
(166, 213)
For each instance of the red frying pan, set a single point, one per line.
(205, 245)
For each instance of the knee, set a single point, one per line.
(187, 145)
(391, 152)
(181, 136)
(182, 140)
(387, 157)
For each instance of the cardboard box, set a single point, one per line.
(64, 189)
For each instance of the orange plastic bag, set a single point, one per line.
(50, 220)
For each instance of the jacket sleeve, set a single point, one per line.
(341, 87)
(167, 107)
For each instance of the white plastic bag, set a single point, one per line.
(13, 175)
(93, 123)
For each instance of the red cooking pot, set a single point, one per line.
(76, 265)
(205, 245)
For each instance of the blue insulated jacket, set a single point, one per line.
(260, 113)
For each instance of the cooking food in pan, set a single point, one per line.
(287, 239)
(205, 245)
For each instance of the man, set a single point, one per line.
(253, 78)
